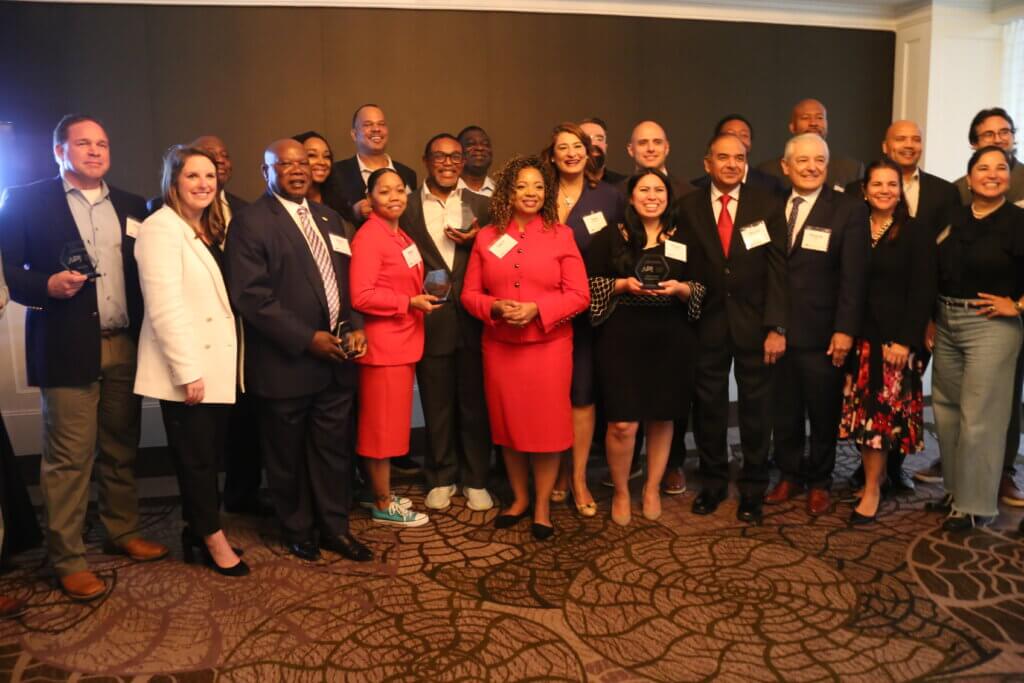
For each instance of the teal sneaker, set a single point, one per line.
(369, 501)
(397, 516)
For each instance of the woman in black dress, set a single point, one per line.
(587, 205)
(645, 342)
(882, 398)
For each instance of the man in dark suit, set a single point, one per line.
(443, 220)
(286, 267)
(81, 328)
(477, 157)
(597, 129)
(743, 321)
(346, 186)
(995, 127)
(649, 147)
(829, 245)
(738, 125)
(810, 116)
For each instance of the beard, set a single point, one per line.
(598, 157)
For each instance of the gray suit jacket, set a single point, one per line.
(449, 328)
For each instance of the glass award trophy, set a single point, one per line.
(652, 269)
(74, 256)
(467, 218)
(439, 284)
(342, 332)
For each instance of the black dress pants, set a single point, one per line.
(711, 416)
(455, 412)
(807, 387)
(195, 435)
(307, 451)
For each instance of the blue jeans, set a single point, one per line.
(972, 388)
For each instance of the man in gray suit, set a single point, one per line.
(443, 220)
(810, 116)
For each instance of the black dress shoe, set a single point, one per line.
(509, 521)
(749, 510)
(304, 550)
(964, 522)
(900, 483)
(348, 546)
(542, 532)
(707, 501)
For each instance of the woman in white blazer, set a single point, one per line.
(188, 349)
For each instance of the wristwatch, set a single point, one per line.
(779, 329)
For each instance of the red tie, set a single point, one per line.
(725, 225)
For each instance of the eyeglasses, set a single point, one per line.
(440, 157)
(993, 134)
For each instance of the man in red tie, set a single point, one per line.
(743, 320)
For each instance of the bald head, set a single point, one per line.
(648, 145)
(215, 147)
(809, 116)
(904, 144)
(286, 169)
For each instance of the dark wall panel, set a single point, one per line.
(162, 74)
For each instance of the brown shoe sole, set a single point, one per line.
(113, 549)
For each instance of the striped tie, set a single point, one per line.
(323, 263)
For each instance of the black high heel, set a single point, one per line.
(188, 545)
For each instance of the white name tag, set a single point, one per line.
(412, 256)
(755, 235)
(675, 250)
(340, 244)
(594, 222)
(131, 227)
(816, 239)
(839, 188)
(502, 245)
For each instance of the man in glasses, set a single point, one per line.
(443, 218)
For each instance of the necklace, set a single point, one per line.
(981, 214)
(879, 233)
(567, 199)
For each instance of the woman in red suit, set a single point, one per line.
(387, 288)
(526, 280)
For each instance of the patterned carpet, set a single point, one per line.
(683, 599)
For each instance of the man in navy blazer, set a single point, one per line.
(828, 247)
(286, 267)
(80, 344)
(345, 189)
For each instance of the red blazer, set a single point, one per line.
(544, 267)
(382, 283)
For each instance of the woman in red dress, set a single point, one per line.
(387, 288)
(526, 280)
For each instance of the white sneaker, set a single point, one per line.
(398, 517)
(477, 499)
(440, 497)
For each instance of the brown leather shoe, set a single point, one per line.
(11, 607)
(139, 549)
(818, 502)
(674, 482)
(1010, 493)
(782, 492)
(83, 586)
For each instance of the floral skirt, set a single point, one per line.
(882, 408)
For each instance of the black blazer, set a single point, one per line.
(275, 286)
(755, 178)
(344, 187)
(235, 203)
(827, 289)
(901, 287)
(62, 336)
(746, 293)
(449, 328)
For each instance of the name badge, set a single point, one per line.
(131, 227)
(816, 239)
(755, 235)
(594, 222)
(340, 244)
(502, 245)
(675, 250)
(944, 234)
(412, 256)
(839, 188)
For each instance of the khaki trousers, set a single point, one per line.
(96, 422)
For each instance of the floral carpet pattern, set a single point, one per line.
(684, 598)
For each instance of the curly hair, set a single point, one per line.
(504, 189)
(589, 166)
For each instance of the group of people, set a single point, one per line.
(536, 308)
